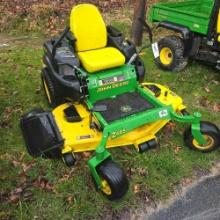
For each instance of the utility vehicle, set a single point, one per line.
(196, 26)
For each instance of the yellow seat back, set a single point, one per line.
(88, 27)
(218, 26)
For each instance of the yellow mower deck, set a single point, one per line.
(79, 137)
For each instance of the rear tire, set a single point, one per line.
(171, 57)
(51, 90)
(114, 181)
(211, 133)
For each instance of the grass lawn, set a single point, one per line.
(47, 189)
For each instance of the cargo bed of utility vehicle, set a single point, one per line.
(194, 14)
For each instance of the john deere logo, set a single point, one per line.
(118, 133)
(112, 86)
(126, 108)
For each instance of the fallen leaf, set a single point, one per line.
(130, 171)
(8, 110)
(171, 125)
(27, 166)
(147, 199)
(70, 199)
(216, 107)
(169, 129)
(207, 89)
(18, 190)
(136, 188)
(15, 163)
(142, 171)
(64, 178)
(187, 181)
(23, 177)
(204, 101)
(215, 82)
(16, 194)
(22, 156)
(43, 183)
(14, 198)
(177, 150)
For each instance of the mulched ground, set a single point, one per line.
(23, 7)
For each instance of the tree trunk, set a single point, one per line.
(140, 9)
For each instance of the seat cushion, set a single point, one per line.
(101, 59)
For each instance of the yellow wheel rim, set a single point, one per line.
(47, 91)
(209, 143)
(166, 56)
(106, 188)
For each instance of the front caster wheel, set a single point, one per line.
(211, 134)
(113, 179)
(69, 159)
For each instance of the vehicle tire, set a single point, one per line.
(211, 133)
(171, 56)
(114, 181)
(69, 159)
(51, 90)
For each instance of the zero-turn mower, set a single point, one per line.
(93, 78)
(198, 24)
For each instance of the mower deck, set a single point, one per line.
(123, 128)
(123, 106)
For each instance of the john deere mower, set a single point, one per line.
(93, 78)
(196, 26)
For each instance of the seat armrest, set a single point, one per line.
(114, 32)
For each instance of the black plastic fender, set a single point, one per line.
(186, 33)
